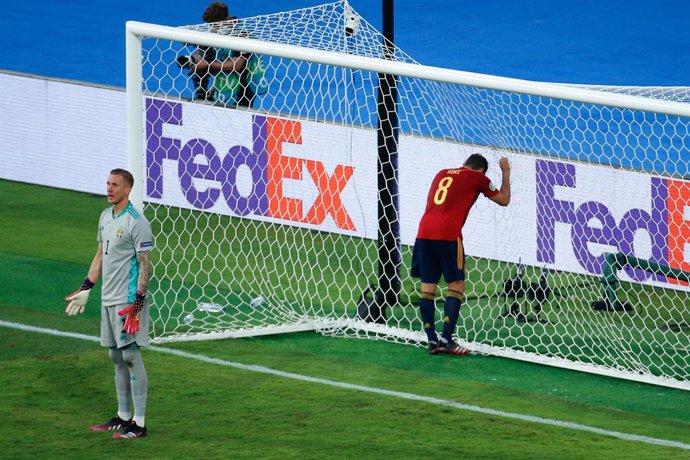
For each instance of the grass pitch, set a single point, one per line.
(55, 387)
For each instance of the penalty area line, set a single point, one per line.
(373, 390)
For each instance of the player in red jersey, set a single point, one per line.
(438, 249)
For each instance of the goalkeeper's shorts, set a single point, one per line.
(112, 325)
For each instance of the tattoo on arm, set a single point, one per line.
(144, 271)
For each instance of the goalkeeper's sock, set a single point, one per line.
(451, 313)
(139, 382)
(427, 308)
(122, 385)
(140, 421)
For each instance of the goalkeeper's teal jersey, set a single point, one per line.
(122, 236)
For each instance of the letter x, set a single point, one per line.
(328, 201)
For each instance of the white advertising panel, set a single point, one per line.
(563, 215)
(60, 134)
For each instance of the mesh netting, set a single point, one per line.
(267, 217)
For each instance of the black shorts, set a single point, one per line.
(433, 258)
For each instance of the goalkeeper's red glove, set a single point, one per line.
(133, 311)
(78, 299)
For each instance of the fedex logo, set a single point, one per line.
(665, 220)
(265, 160)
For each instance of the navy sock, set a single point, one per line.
(427, 307)
(451, 313)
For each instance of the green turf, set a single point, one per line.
(54, 387)
(218, 411)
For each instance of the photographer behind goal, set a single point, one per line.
(230, 69)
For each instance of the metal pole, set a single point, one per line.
(389, 251)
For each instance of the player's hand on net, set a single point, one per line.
(79, 298)
(133, 312)
(504, 164)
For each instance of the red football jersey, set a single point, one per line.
(451, 196)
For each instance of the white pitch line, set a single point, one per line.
(366, 389)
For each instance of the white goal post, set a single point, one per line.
(266, 219)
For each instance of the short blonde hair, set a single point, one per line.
(126, 175)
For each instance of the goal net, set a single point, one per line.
(300, 211)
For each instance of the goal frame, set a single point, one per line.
(136, 31)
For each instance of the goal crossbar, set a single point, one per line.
(403, 69)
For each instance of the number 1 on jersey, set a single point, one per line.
(442, 190)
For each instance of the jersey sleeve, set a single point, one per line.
(142, 236)
(486, 187)
(99, 236)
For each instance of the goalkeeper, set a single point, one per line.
(124, 241)
(438, 249)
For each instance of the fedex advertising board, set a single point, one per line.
(584, 211)
(323, 176)
(260, 167)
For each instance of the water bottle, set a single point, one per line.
(257, 301)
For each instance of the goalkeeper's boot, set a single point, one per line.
(451, 348)
(114, 424)
(432, 348)
(131, 431)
